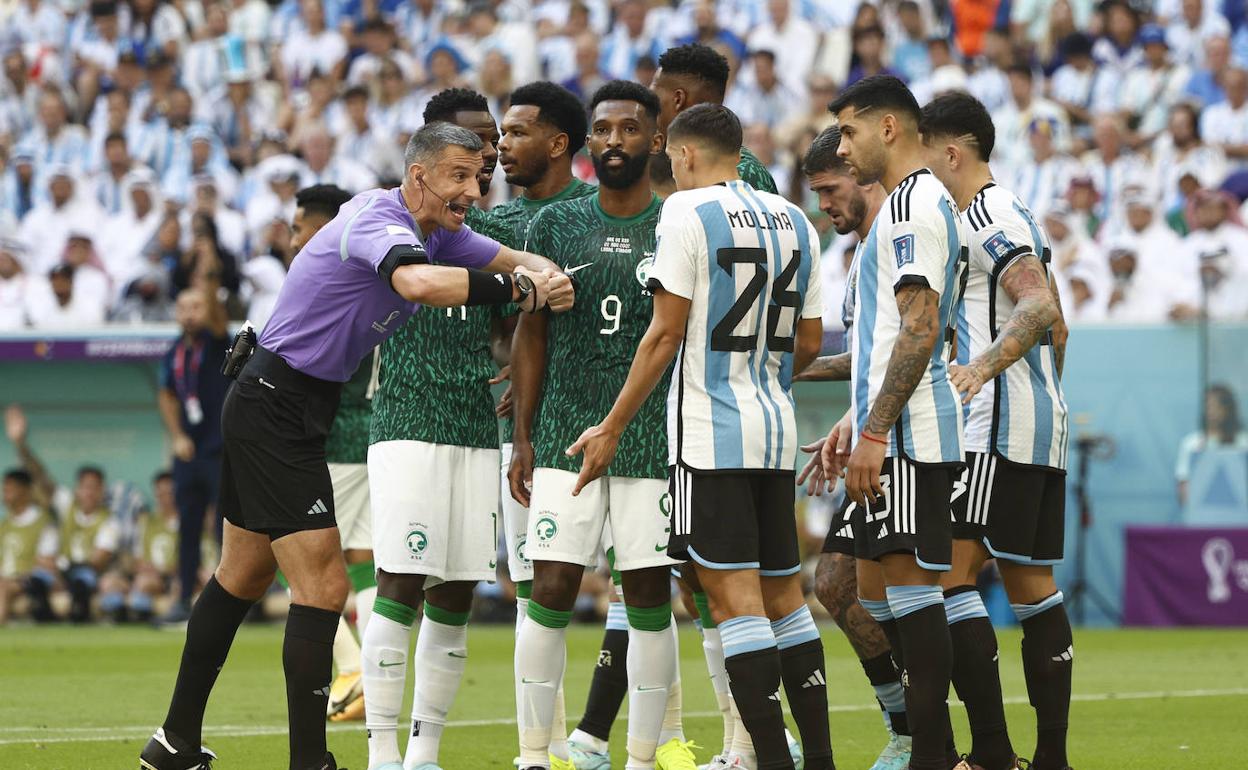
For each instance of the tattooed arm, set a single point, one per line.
(826, 368)
(1060, 331)
(1035, 311)
(919, 307)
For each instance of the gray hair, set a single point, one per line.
(432, 138)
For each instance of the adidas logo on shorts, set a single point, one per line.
(318, 507)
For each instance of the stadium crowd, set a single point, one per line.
(147, 146)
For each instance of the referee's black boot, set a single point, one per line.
(161, 754)
(328, 763)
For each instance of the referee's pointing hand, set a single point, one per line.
(598, 444)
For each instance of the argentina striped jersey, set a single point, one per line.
(917, 238)
(1020, 415)
(748, 263)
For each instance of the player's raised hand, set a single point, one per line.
(862, 474)
(598, 445)
(835, 449)
(15, 424)
(969, 380)
(520, 474)
(813, 469)
(562, 294)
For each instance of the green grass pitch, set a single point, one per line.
(87, 698)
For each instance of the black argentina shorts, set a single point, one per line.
(735, 520)
(273, 474)
(840, 537)
(911, 516)
(1018, 511)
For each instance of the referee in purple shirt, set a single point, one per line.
(353, 284)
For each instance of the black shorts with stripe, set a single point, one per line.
(840, 537)
(1018, 511)
(912, 516)
(735, 520)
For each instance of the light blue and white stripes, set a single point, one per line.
(617, 617)
(798, 627)
(1025, 611)
(747, 633)
(877, 609)
(903, 600)
(964, 606)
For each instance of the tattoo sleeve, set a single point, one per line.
(827, 368)
(1035, 310)
(1060, 331)
(919, 307)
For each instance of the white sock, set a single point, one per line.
(441, 653)
(713, 650)
(559, 725)
(346, 649)
(540, 659)
(522, 611)
(591, 742)
(651, 669)
(742, 743)
(364, 608)
(673, 724)
(384, 658)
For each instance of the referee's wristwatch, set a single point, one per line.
(524, 289)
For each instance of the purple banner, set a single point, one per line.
(1186, 576)
(120, 343)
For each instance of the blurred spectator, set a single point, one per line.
(1083, 278)
(767, 101)
(1180, 153)
(1153, 88)
(1112, 166)
(1046, 176)
(237, 114)
(1032, 20)
(793, 39)
(1204, 86)
(159, 26)
(192, 392)
(39, 22)
(1188, 32)
(1221, 427)
(155, 550)
(53, 140)
(206, 264)
(868, 55)
(708, 32)
(206, 199)
(14, 285)
(1159, 248)
(322, 166)
(1139, 295)
(910, 57)
(380, 45)
(97, 55)
(1117, 52)
(27, 542)
(1085, 204)
(628, 41)
(1225, 124)
(1218, 246)
(990, 82)
(1076, 82)
(88, 534)
(53, 303)
(589, 75)
(1014, 120)
(45, 228)
(515, 40)
(91, 279)
(312, 46)
(109, 181)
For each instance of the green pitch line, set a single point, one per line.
(87, 698)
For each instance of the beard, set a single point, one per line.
(521, 176)
(853, 219)
(623, 176)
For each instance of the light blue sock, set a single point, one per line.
(964, 606)
(747, 633)
(617, 617)
(877, 609)
(891, 695)
(1025, 611)
(798, 627)
(903, 600)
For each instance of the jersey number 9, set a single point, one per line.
(782, 296)
(610, 308)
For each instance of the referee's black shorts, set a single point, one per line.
(273, 474)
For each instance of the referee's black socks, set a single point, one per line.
(1048, 657)
(214, 620)
(928, 656)
(307, 658)
(977, 679)
(753, 665)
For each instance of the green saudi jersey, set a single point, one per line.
(754, 173)
(19, 541)
(590, 348)
(435, 371)
(348, 438)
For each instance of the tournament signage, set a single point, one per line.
(140, 343)
(1178, 576)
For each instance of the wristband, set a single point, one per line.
(485, 288)
(869, 437)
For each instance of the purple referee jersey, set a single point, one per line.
(334, 306)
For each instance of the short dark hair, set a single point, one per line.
(959, 115)
(162, 476)
(626, 91)
(90, 470)
(355, 92)
(19, 476)
(556, 106)
(700, 62)
(115, 136)
(716, 126)
(871, 30)
(821, 156)
(878, 91)
(323, 199)
(1020, 68)
(447, 103)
